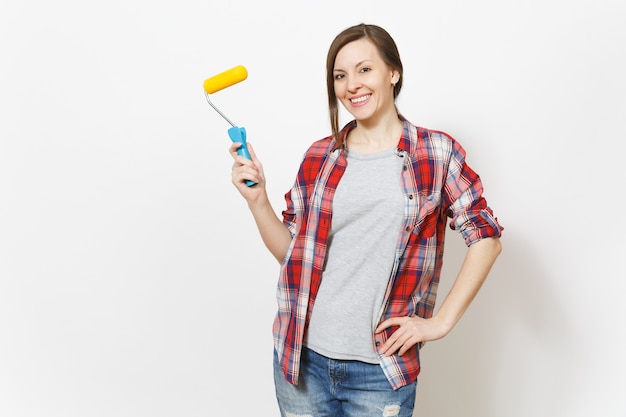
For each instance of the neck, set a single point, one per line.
(370, 138)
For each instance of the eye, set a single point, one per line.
(365, 69)
(339, 76)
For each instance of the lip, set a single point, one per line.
(360, 100)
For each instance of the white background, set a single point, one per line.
(132, 279)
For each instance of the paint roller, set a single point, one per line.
(219, 82)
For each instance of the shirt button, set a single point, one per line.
(410, 196)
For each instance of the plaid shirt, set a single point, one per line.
(438, 185)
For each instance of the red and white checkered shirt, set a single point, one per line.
(438, 186)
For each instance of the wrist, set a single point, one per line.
(444, 324)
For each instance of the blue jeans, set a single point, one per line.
(338, 388)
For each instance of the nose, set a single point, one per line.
(354, 84)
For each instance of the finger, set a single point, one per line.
(395, 321)
(251, 150)
(234, 146)
(405, 348)
(399, 338)
(403, 344)
(248, 171)
(409, 343)
(392, 347)
(233, 149)
(241, 160)
(392, 344)
(240, 178)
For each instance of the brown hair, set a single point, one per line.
(386, 48)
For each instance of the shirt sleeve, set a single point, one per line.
(296, 199)
(289, 213)
(469, 212)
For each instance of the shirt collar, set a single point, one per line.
(403, 145)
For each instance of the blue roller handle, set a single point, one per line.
(238, 134)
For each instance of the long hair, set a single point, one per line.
(386, 48)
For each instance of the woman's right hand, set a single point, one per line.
(245, 169)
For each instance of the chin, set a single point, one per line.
(360, 113)
(360, 117)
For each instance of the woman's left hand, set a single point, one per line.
(411, 331)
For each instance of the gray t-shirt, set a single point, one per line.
(368, 213)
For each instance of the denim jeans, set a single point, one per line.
(338, 388)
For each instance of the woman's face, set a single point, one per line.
(363, 82)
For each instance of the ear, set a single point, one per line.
(395, 77)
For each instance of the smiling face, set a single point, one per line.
(363, 82)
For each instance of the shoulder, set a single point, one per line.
(320, 147)
(423, 134)
(430, 142)
(314, 158)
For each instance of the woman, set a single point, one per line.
(360, 243)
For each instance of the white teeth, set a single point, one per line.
(359, 99)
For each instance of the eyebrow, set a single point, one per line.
(358, 64)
